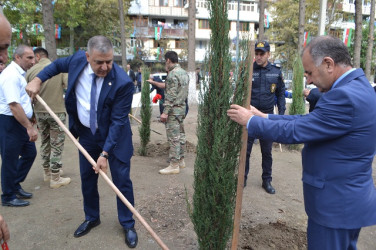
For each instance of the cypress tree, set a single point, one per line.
(145, 113)
(215, 173)
(298, 103)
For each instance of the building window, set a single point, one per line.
(243, 26)
(140, 21)
(203, 24)
(180, 44)
(178, 3)
(163, 2)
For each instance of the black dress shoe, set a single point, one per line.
(268, 187)
(22, 194)
(131, 238)
(16, 203)
(85, 227)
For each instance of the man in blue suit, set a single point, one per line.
(98, 101)
(339, 145)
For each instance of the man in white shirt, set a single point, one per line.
(17, 131)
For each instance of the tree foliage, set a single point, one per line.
(364, 46)
(298, 104)
(285, 26)
(85, 18)
(144, 129)
(218, 146)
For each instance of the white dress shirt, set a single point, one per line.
(83, 90)
(12, 89)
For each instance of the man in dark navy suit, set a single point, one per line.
(339, 192)
(98, 101)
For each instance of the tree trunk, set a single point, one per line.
(192, 52)
(301, 25)
(261, 20)
(358, 33)
(71, 40)
(49, 29)
(370, 41)
(322, 17)
(123, 41)
(191, 35)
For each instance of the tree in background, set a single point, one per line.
(79, 20)
(365, 44)
(285, 26)
(145, 112)
(358, 33)
(215, 171)
(24, 16)
(369, 57)
(49, 29)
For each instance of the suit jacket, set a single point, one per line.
(132, 75)
(313, 97)
(339, 136)
(114, 104)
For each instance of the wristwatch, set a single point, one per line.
(103, 155)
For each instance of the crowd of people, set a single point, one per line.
(337, 157)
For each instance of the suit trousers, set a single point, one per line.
(267, 160)
(120, 172)
(324, 238)
(17, 156)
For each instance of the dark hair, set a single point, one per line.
(172, 55)
(328, 46)
(99, 43)
(41, 51)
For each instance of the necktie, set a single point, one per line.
(93, 112)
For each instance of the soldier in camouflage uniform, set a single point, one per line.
(173, 115)
(52, 136)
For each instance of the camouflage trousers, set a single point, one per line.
(176, 137)
(52, 140)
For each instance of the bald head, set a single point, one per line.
(5, 38)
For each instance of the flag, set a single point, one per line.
(347, 34)
(307, 38)
(57, 31)
(266, 21)
(158, 53)
(158, 33)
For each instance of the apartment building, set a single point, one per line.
(161, 25)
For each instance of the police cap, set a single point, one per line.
(264, 46)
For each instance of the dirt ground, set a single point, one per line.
(268, 221)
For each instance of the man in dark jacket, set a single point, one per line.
(266, 85)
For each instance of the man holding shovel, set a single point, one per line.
(98, 101)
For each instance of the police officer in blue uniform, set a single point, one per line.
(267, 84)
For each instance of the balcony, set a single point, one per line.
(168, 31)
(168, 11)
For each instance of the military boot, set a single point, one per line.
(47, 174)
(181, 163)
(58, 181)
(173, 168)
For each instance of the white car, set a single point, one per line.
(161, 75)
